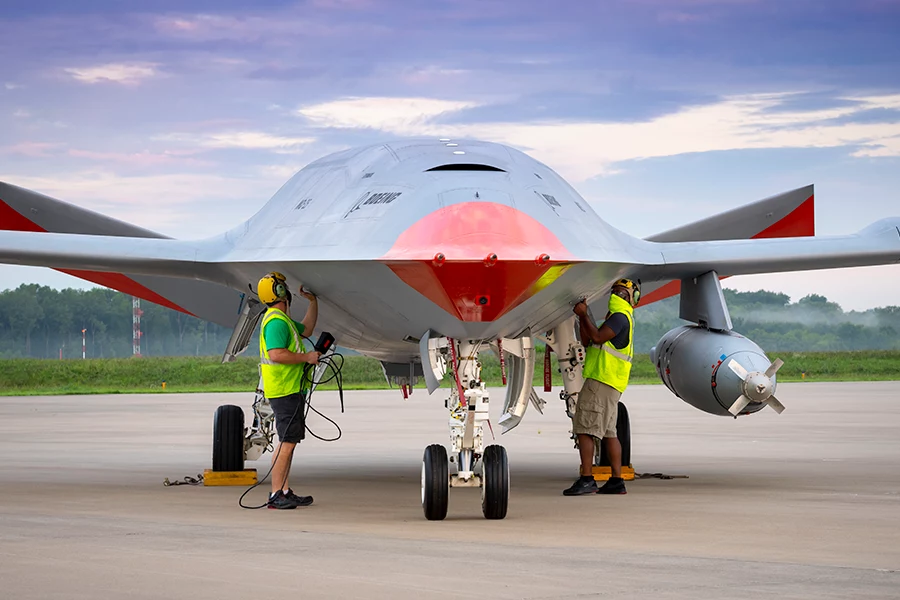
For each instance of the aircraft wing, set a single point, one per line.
(878, 244)
(791, 214)
(106, 251)
(149, 256)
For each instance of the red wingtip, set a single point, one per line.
(12, 220)
(800, 222)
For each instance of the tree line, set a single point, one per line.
(42, 322)
(812, 324)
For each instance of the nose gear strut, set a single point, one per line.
(468, 405)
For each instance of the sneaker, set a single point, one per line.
(583, 485)
(299, 500)
(279, 501)
(613, 485)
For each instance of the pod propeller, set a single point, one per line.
(757, 386)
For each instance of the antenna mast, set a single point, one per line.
(136, 313)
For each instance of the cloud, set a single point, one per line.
(124, 73)
(31, 149)
(344, 4)
(9, 85)
(21, 113)
(677, 16)
(583, 149)
(247, 140)
(169, 203)
(284, 28)
(886, 147)
(403, 116)
(431, 74)
(141, 159)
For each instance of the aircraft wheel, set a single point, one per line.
(435, 482)
(495, 480)
(623, 432)
(228, 439)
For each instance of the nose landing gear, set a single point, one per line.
(468, 406)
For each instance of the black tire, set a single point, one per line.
(228, 439)
(435, 483)
(495, 490)
(623, 432)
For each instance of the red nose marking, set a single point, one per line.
(489, 264)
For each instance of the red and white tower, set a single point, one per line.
(136, 313)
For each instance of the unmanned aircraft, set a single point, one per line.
(424, 252)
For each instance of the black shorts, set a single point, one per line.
(290, 417)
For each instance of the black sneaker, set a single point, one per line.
(279, 501)
(613, 485)
(583, 485)
(299, 500)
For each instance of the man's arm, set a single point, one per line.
(596, 335)
(599, 335)
(583, 334)
(277, 337)
(283, 356)
(312, 312)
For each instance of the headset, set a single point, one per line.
(273, 288)
(634, 289)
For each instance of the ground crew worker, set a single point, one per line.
(283, 359)
(609, 349)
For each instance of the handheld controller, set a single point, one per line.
(324, 343)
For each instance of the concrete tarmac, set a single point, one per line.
(799, 505)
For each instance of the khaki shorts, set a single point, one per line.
(597, 410)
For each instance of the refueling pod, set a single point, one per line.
(708, 365)
(718, 372)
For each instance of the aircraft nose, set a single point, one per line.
(478, 260)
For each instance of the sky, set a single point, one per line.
(185, 116)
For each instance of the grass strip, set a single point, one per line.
(207, 374)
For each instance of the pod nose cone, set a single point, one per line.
(757, 387)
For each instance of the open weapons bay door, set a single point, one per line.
(518, 356)
(251, 313)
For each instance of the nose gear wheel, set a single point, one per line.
(435, 483)
(495, 482)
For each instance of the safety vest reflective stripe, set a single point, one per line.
(279, 379)
(606, 363)
(264, 358)
(616, 353)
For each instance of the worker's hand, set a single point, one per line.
(581, 309)
(312, 357)
(308, 295)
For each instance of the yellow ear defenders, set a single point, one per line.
(273, 288)
(633, 288)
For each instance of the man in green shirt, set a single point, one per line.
(286, 370)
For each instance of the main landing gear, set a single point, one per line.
(477, 466)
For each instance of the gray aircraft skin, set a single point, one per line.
(424, 252)
(466, 238)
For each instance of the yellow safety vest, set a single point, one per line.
(278, 379)
(607, 364)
